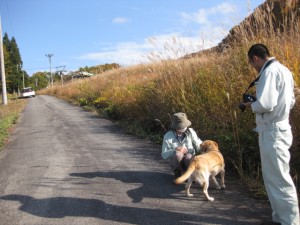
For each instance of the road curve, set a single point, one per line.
(66, 166)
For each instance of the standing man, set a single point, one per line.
(275, 98)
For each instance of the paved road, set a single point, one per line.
(64, 165)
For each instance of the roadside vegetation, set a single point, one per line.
(9, 114)
(208, 87)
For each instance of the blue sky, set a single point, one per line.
(93, 32)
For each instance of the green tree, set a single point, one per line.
(39, 80)
(13, 64)
(27, 80)
(7, 62)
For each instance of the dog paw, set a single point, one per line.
(189, 195)
(210, 199)
(223, 187)
(218, 187)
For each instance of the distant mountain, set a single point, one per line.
(272, 15)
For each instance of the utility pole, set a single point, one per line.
(51, 78)
(61, 73)
(4, 94)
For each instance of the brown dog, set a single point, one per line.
(208, 164)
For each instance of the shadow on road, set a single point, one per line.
(154, 184)
(59, 207)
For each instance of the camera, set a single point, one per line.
(246, 98)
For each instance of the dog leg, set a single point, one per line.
(188, 186)
(222, 174)
(205, 189)
(216, 182)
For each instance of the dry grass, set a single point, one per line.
(208, 88)
(8, 116)
(14, 106)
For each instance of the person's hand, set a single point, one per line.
(247, 104)
(182, 149)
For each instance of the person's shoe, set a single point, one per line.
(177, 173)
(269, 223)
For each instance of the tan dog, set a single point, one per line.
(208, 164)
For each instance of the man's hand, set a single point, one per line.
(182, 149)
(247, 104)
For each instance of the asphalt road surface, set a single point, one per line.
(66, 166)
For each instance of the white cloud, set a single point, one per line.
(168, 46)
(199, 17)
(203, 16)
(224, 8)
(120, 20)
(173, 46)
(126, 53)
(155, 48)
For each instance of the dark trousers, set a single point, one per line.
(180, 161)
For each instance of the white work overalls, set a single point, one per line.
(275, 98)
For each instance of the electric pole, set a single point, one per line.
(51, 78)
(61, 73)
(4, 94)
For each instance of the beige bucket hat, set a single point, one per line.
(179, 121)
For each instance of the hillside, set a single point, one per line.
(275, 13)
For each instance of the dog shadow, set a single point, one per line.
(154, 184)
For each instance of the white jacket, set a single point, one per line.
(275, 97)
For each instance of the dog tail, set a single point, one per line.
(186, 175)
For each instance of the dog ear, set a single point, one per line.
(216, 144)
(201, 146)
(204, 146)
(208, 145)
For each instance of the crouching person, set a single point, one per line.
(180, 144)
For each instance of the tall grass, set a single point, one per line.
(207, 87)
(8, 116)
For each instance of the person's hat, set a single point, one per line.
(180, 121)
